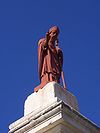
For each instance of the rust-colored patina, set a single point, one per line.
(50, 58)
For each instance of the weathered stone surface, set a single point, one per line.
(57, 118)
(52, 92)
(52, 110)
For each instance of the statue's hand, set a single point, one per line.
(47, 36)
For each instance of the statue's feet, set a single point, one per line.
(36, 89)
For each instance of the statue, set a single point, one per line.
(50, 59)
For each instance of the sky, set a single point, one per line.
(22, 24)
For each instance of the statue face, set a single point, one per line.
(53, 33)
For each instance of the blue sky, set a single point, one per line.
(22, 24)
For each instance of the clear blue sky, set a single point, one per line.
(22, 24)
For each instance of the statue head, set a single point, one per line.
(54, 28)
(53, 32)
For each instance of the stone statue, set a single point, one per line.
(50, 59)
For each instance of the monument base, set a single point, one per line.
(49, 94)
(52, 110)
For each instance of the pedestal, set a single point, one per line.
(49, 94)
(52, 110)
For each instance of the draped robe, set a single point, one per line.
(50, 61)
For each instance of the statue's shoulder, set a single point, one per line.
(41, 41)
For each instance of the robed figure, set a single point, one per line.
(50, 58)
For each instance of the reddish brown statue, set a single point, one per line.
(50, 59)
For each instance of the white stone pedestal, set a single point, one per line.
(51, 93)
(52, 110)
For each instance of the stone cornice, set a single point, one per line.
(59, 109)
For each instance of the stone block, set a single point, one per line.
(57, 118)
(49, 94)
(52, 110)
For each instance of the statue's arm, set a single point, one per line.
(45, 46)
